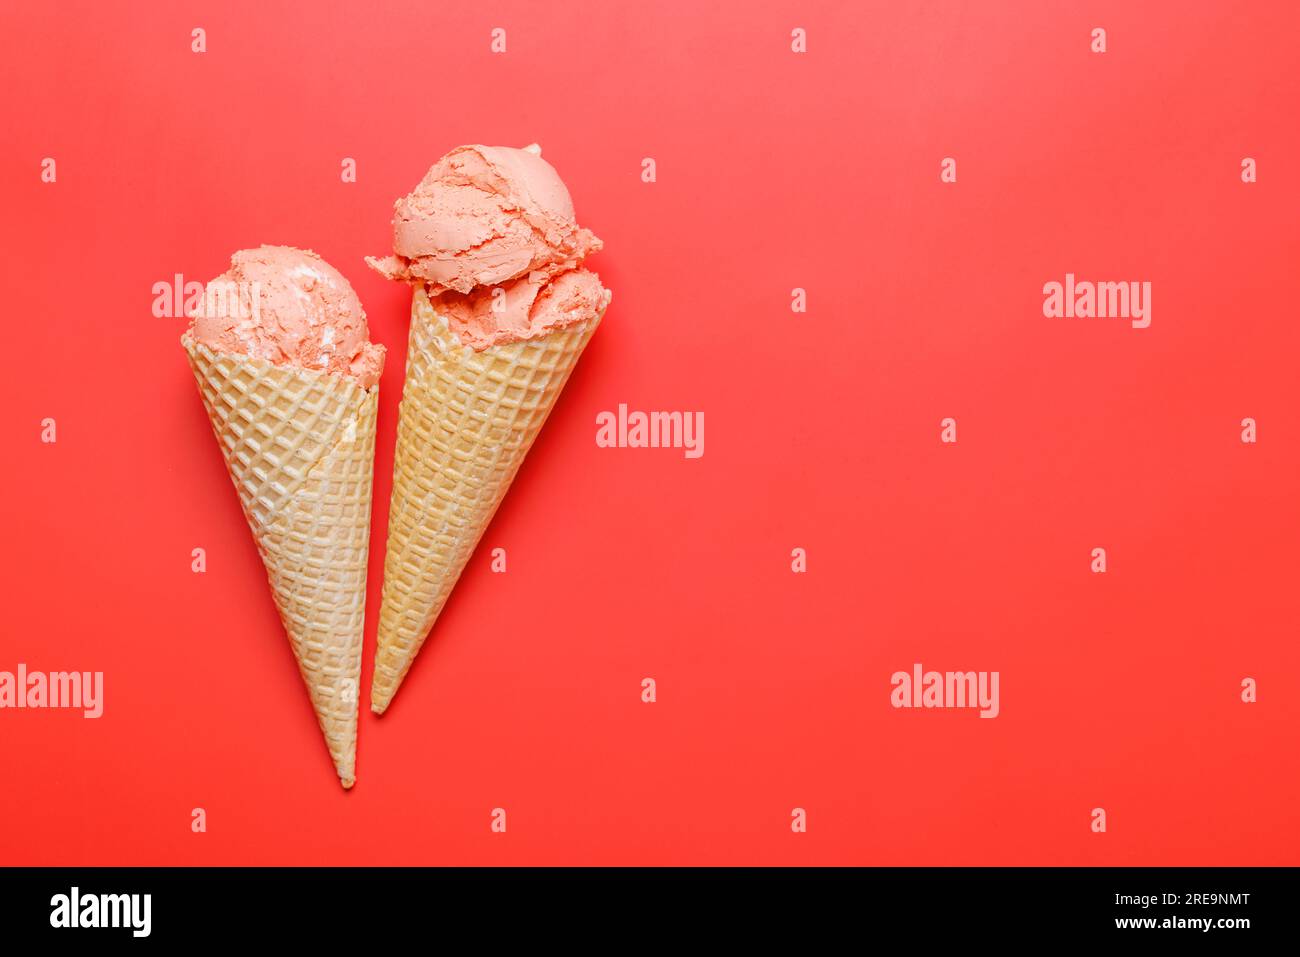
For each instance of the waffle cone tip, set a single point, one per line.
(381, 698)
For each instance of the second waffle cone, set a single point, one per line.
(300, 449)
(466, 421)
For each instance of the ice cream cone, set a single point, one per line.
(300, 445)
(466, 421)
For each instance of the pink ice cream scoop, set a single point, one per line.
(490, 236)
(484, 215)
(291, 308)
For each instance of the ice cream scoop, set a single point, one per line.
(484, 215)
(291, 308)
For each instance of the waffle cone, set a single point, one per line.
(300, 448)
(466, 421)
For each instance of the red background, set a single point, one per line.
(775, 171)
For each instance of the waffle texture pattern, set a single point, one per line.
(300, 448)
(466, 421)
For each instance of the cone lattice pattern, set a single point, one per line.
(466, 421)
(300, 447)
